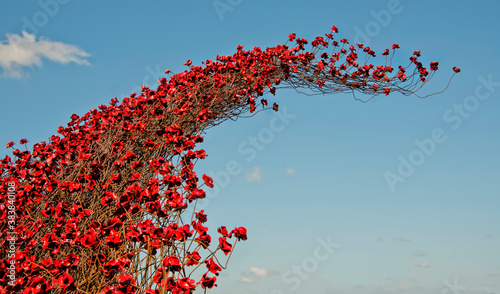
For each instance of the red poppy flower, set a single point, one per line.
(275, 107)
(108, 198)
(10, 144)
(115, 178)
(207, 282)
(193, 258)
(23, 141)
(188, 62)
(212, 266)
(456, 69)
(223, 231)
(125, 280)
(172, 263)
(208, 181)
(135, 177)
(201, 216)
(224, 245)
(129, 156)
(50, 242)
(335, 29)
(395, 46)
(113, 240)
(196, 194)
(201, 154)
(149, 143)
(240, 233)
(434, 65)
(65, 282)
(89, 239)
(72, 259)
(133, 234)
(204, 240)
(186, 284)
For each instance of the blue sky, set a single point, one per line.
(403, 191)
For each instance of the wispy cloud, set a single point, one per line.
(246, 280)
(259, 272)
(254, 176)
(423, 265)
(404, 240)
(290, 171)
(19, 52)
(419, 253)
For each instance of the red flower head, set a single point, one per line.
(212, 266)
(224, 245)
(23, 141)
(125, 280)
(196, 194)
(275, 107)
(193, 258)
(186, 284)
(208, 181)
(207, 282)
(223, 231)
(434, 65)
(10, 144)
(240, 233)
(89, 239)
(172, 263)
(201, 216)
(456, 69)
(65, 282)
(113, 240)
(335, 29)
(188, 62)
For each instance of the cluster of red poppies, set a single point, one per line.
(99, 208)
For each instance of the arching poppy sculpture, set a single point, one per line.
(109, 204)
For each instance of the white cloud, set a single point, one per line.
(19, 52)
(254, 176)
(290, 171)
(493, 275)
(423, 264)
(246, 280)
(259, 272)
